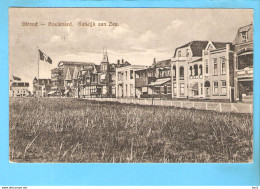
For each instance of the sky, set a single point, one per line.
(141, 34)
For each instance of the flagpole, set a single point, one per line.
(38, 90)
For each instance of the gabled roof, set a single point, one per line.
(220, 45)
(69, 74)
(75, 73)
(196, 47)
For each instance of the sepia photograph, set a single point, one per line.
(130, 85)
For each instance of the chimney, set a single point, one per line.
(122, 61)
(118, 62)
(154, 60)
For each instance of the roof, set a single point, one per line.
(163, 63)
(70, 71)
(196, 47)
(97, 68)
(196, 60)
(245, 28)
(160, 81)
(242, 29)
(146, 69)
(105, 58)
(219, 45)
(61, 63)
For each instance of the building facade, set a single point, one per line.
(19, 89)
(243, 64)
(218, 73)
(41, 87)
(57, 79)
(185, 56)
(71, 70)
(125, 81)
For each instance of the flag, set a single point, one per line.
(44, 57)
(16, 78)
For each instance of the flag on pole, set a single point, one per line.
(44, 57)
(16, 78)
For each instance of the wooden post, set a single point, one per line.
(251, 108)
(220, 107)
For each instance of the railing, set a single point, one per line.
(213, 106)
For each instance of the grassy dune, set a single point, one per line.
(72, 130)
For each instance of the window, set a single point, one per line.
(174, 89)
(207, 91)
(196, 70)
(201, 88)
(174, 71)
(182, 89)
(223, 65)
(131, 74)
(215, 71)
(187, 52)
(131, 89)
(201, 70)
(244, 36)
(181, 73)
(157, 90)
(125, 75)
(150, 74)
(223, 88)
(215, 88)
(207, 66)
(190, 70)
(179, 53)
(169, 89)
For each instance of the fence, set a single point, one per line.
(215, 106)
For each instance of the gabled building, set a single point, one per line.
(217, 79)
(143, 80)
(243, 64)
(71, 70)
(57, 80)
(41, 87)
(184, 55)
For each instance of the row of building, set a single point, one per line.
(201, 70)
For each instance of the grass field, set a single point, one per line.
(73, 130)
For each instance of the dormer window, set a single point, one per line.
(187, 53)
(244, 36)
(179, 53)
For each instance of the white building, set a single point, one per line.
(125, 80)
(19, 89)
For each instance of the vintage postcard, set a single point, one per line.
(130, 85)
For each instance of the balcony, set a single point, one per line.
(245, 73)
(144, 81)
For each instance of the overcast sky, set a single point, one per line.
(142, 34)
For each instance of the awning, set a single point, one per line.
(160, 82)
(245, 53)
(66, 91)
(195, 87)
(52, 92)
